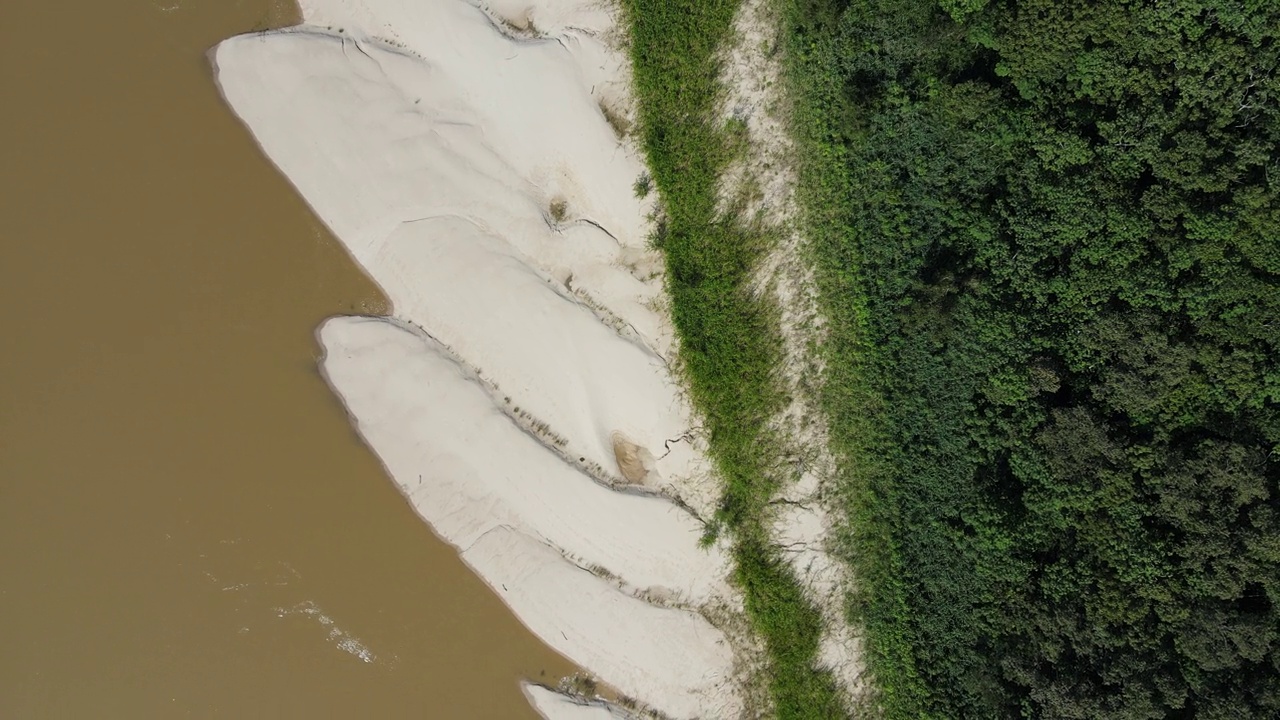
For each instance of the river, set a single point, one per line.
(188, 525)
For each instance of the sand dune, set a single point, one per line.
(466, 161)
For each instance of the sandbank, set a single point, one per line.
(471, 162)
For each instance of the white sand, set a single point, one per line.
(474, 176)
(531, 526)
(466, 127)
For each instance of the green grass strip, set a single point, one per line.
(729, 342)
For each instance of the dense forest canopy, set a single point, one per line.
(1063, 230)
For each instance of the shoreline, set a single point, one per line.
(477, 177)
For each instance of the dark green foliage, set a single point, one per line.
(728, 342)
(1049, 241)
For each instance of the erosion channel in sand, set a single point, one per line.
(470, 160)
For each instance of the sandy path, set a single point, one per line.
(805, 526)
(474, 176)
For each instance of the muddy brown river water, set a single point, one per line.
(188, 525)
